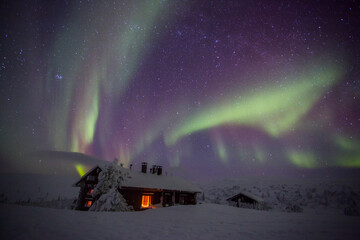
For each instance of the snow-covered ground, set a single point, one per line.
(204, 221)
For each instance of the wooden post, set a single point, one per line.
(162, 199)
(173, 198)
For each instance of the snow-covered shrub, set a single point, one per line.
(106, 191)
(324, 201)
(352, 208)
(293, 208)
(280, 196)
(3, 198)
(309, 195)
(351, 211)
(217, 200)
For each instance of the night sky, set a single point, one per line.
(216, 88)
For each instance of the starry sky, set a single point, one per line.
(215, 88)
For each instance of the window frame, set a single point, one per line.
(87, 203)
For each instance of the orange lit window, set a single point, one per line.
(145, 201)
(91, 191)
(88, 203)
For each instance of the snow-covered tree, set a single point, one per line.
(106, 191)
(111, 201)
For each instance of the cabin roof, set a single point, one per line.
(152, 181)
(85, 175)
(247, 194)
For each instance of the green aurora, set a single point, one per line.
(275, 109)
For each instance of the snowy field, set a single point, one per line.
(204, 221)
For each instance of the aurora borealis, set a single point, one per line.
(228, 87)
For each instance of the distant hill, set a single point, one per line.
(49, 163)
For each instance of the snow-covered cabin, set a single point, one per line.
(246, 198)
(141, 189)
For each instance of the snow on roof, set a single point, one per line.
(147, 180)
(248, 194)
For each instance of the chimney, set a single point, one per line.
(159, 170)
(143, 167)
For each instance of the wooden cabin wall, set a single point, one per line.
(185, 198)
(168, 198)
(156, 199)
(190, 198)
(80, 201)
(133, 197)
(85, 186)
(243, 199)
(246, 199)
(177, 197)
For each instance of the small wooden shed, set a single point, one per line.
(246, 198)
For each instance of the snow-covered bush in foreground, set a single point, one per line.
(106, 191)
(353, 209)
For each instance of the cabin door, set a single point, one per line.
(182, 199)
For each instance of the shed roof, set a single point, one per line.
(247, 194)
(153, 181)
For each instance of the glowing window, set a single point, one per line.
(88, 203)
(91, 191)
(145, 201)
